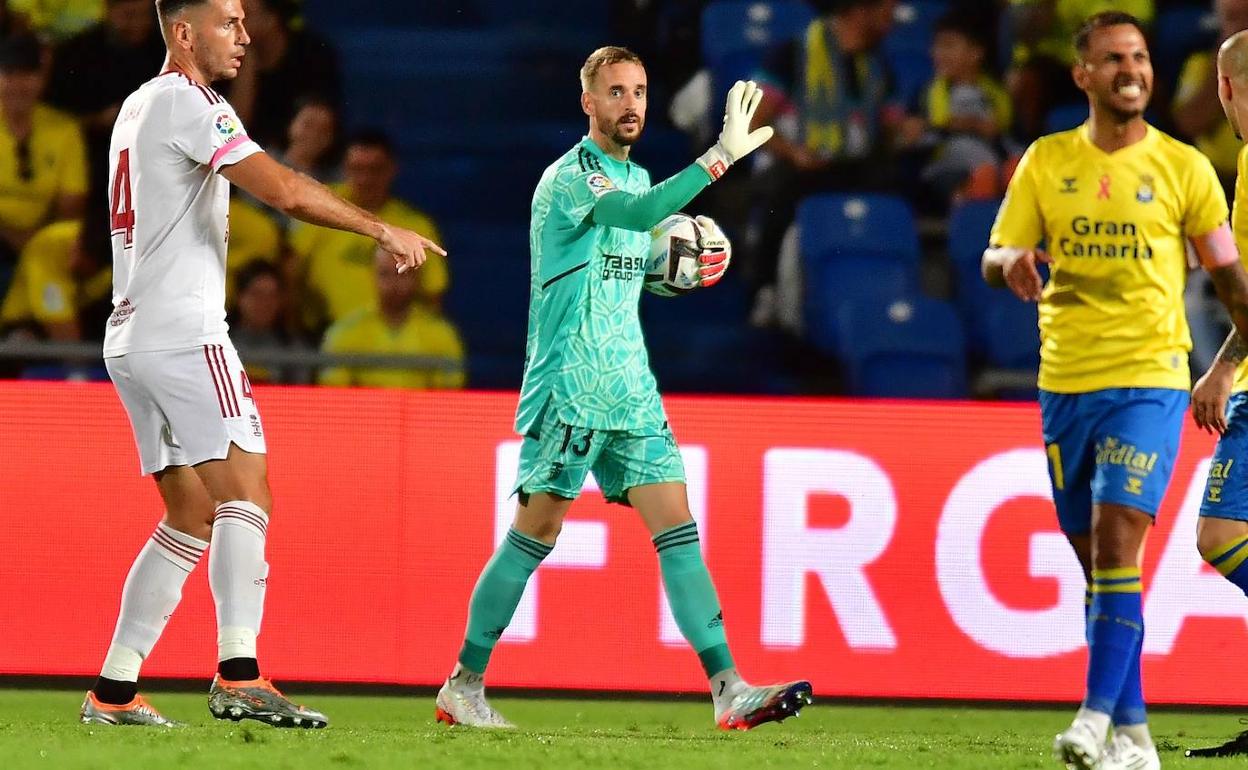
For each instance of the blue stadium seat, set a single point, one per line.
(970, 224)
(1013, 343)
(912, 70)
(726, 304)
(456, 186)
(548, 139)
(1065, 117)
(914, 23)
(1013, 332)
(707, 357)
(587, 22)
(828, 285)
(872, 225)
(736, 26)
(475, 94)
(736, 35)
(907, 48)
(1179, 32)
(330, 16)
(903, 348)
(489, 267)
(363, 50)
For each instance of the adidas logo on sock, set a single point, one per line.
(716, 621)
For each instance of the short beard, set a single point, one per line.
(1123, 116)
(611, 129)
(626, 141)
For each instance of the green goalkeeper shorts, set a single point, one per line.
(556, 457)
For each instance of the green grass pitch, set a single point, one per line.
(38, 729)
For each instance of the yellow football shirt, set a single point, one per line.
(53, 164)
(338, 266)
(424, 333)
(1239, 223)
(1116, 226)
(44, 289)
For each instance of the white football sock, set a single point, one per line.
(238, 576)
(150, 595)
(465, 679)
(724, 686)
(122, 664)
(1099, 720)
(235, 642)
(1138, 734)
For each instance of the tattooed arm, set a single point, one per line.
(1234, 350)
(1219, 256)
(1211, 392)
(1231, 283)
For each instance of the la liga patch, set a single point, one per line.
(225, 124)
(599, 184)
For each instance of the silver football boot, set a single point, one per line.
(258, 699)
(136, 712)
(753, 706)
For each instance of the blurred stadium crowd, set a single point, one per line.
(857, 234)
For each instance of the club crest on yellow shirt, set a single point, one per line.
(1144, 193)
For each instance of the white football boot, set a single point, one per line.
(1125, 754)
(1079, 747)
(467, 706)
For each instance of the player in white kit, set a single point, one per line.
(176, 147)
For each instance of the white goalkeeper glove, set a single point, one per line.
(715, 252)
(736, 140)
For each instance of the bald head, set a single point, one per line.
(1233, 80)
(1233, 57)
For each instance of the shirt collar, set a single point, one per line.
(592, 148)
(1145, 142)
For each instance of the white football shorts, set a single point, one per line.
(187, 406)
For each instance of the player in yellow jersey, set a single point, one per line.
(1222, 531)
(1116, 202)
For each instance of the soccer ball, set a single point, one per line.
(672, 268)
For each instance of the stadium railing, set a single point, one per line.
(31, 351)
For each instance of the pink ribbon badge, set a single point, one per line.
(1104, 193)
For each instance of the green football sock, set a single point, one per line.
(497, 594)
(692, 596)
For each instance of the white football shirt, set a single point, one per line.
(170, 215)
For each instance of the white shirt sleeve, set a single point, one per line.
(207, 130)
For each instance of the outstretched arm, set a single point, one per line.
(643, 211)
(299, 196)
(736, 140)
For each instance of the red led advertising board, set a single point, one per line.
(876, 548)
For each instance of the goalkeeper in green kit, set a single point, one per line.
(589, 402)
